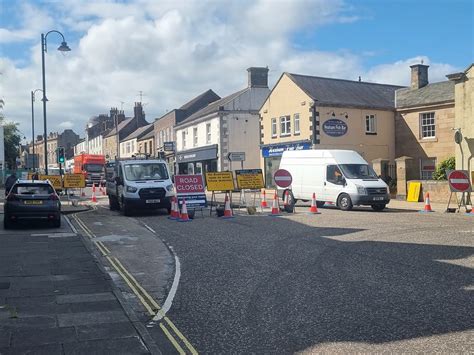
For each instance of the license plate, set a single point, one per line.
(378, 198)
(33, 202)
(153, 201)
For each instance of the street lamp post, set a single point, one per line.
(63, 48)
(33, 125)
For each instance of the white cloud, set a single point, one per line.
(172, 51)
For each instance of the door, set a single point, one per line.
(334, 183)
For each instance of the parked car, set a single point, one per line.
(342, 177)
(32, 199)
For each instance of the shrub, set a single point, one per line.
(443, 167)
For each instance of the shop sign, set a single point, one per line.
(197, 154)
(168, 146)
(191, 189)
(335, 127)
(220, 181)
(249, 179)
(74, 181)
(277, 150)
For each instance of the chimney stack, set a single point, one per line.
(419, 76)
(258, 77)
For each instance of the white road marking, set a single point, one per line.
(174, 287)
(70, 224)
(149, 228)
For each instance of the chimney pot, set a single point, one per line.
(419, 76)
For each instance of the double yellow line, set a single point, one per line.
(152, 307)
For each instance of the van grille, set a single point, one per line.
(376, 190)
(152, 193)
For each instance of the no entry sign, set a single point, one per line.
(459, 181)
(282, 178)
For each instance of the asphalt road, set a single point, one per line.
(340, 281)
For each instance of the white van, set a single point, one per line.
(342, 177)
(138, 183)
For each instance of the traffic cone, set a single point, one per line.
(314, 207)
(174, 210)
(83, 193)
(263, 203)
(184, 213)
(227, 209)
(275, 207)
(93, 198)
(427, 208)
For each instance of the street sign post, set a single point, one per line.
(236, 156)
(282, 178)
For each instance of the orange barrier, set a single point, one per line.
(427, 208)
(314, 207)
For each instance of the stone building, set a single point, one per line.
(308, 112)
(129, 145)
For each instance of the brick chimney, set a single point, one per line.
(419, 76)
(258, 77)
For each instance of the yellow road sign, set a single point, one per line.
(249, 179)
(74, 181)
(55, 180)
(219, 181)
(414, 192)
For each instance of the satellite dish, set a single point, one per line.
(458, 137)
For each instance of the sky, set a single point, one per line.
(164, 53)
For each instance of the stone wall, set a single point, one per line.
(439, 190)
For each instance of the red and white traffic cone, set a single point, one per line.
(314, 207)
(174, 210)
(275, 207)
(263, 203)
(184, 213)
(93, 198)
(427, 208)
(227, 208)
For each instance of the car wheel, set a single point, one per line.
(379, 207)
(57, 223)
(7, 224)
(113, 203)
(320, 204)
(344, 202)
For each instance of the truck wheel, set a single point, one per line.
(344, 202)
(379, 207)
(113, 203)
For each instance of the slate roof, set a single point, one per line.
(435, 93)
(213, 106)
(148, 135)
(200, 101)
(346, 93)
(120, 126)
(139, 132)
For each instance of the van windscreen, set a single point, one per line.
(358, 171)
(148, 171)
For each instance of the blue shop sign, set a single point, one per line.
(335, 127)
(277, 150)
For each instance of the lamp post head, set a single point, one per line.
(64, 47)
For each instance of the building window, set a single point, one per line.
(208, 133)
(296, 123)
(285, 126)
(195, 136)
(370, 124)
(146, 147)
(428, 128)
(428, 167)
(274, 127)
(183, 135)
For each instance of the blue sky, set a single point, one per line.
(174, 50)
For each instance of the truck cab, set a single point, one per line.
(138, 184)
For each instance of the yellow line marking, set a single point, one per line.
(106, 249)
(84, 228)
(145, 294)
(172, 340)
(181, 336)
(135, 291)
(100, 246)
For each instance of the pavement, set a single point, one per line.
(56, 297)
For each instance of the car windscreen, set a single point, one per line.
(94, 168)
(358, 171)
(32, 189)
(147, 171)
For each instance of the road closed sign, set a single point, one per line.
(74, 181)
(282, 178)
(459, 181)
(192, 189)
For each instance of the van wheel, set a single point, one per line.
(126, 210)
(290, 207)
(344, 202)
(113, 203)
(379, 207)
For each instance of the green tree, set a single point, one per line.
(447, 164)
(12, 138)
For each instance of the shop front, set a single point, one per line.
(197, 161)
(271, 154)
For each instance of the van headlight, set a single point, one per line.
(131, 189)
(170, 188)
(361, 190)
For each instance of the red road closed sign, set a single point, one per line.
(282, 178)
(189, 184)
(459, 181)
